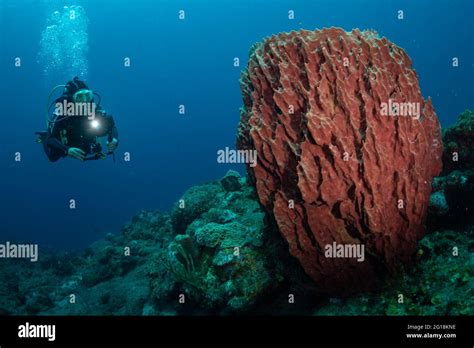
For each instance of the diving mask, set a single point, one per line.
(83, 96)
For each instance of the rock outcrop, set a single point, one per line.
(347, 148)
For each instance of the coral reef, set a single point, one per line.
(332, 167)
(452, 200)
(221, 259)
(459, 142)
(214, 249)
(221, 251)
(439, 282)
(145, 270)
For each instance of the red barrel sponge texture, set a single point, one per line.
(339, 163)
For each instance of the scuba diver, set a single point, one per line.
(76, 124)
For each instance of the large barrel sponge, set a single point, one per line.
(332, 166)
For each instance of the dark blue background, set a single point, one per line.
(176, 62)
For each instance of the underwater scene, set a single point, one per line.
(213, 158)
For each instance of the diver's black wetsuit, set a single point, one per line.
(77, 131)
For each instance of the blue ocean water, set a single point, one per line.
(177, 62)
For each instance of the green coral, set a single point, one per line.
(235, 269)
(195, 201)
(181, 261)
(438, 204)
(438, 283)
(459, 138)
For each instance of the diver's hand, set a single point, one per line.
(76, 153)
(112, 145)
